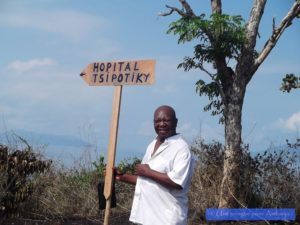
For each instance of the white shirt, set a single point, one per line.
(154, 204)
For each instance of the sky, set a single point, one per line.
(45, 44)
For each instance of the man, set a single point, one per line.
(162, 179)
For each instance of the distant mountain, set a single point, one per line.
(66, 149)
(42, 138)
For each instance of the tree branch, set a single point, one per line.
(216, 6)
(173, 9)
(252, 27)
(185, 12)
(243, 67)
(187, 8)
(277, 32)
(224, 73)
(201, 67)
(212, 76)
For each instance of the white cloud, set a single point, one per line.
(23, 66)
(71, 24)
(261, 136)
(292, 123)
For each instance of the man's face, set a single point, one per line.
(165, 123)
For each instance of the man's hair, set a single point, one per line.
(173, 113)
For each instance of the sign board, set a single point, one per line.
(116, 73)
(135, 72)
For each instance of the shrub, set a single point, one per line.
(278, 179)
(18, 169)
(125, 191)
(99, 166)
(268, 180)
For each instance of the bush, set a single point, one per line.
(268, 180)
(18, 171)
(124, 192)
(278, 179)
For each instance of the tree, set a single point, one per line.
(222, 38)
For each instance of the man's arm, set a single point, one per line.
(162, 178)
(127, 178)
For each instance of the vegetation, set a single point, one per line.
(19, 170)
(270, 179)
(69, 196)
(289, 82)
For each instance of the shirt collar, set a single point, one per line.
(170, 139)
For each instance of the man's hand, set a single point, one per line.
(142, 170)
(118, 174)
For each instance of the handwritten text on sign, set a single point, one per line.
(139, 72)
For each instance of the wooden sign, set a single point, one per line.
(116, 73)
(136, 72)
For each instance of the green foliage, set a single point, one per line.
(18, 169)
(128, 165)
(189, 28)
(212, 91)
(219, 37)
(99, 165)
(289, 82)
(81, 178)
(85, 177)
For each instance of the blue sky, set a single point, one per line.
(45, 44)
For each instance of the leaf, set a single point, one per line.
(289, 82)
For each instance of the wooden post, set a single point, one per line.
(117, 73)
(112, 150)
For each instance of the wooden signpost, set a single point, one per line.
(116, 73)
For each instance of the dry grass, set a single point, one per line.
(69, 196)
(268, 180)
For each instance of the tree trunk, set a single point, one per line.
(229, 194)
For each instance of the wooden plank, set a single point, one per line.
(112, 150)
(134, 72)
(112, 140)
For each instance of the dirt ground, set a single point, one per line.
(114, 220)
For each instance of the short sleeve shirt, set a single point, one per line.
(154, 204)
